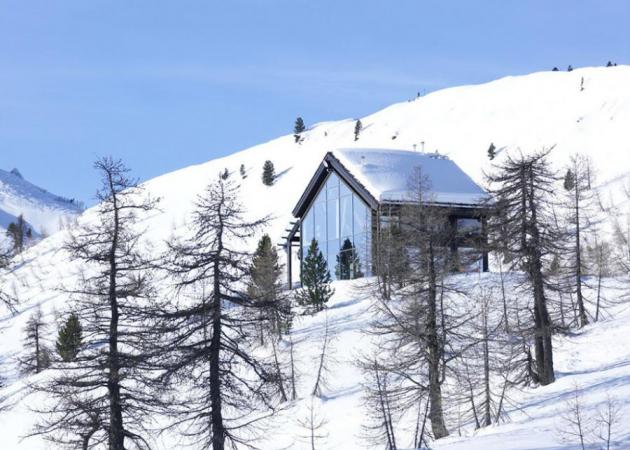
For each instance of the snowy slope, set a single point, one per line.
(527, 113)
(43, 211)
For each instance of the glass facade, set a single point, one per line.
(341, 223)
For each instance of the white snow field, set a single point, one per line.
(585, 111)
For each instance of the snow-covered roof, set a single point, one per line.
(385, 174)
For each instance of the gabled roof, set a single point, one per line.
(382, 176)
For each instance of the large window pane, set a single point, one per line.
(360, 215)
(320, 223)
(344, 189)
(367, 255)
(333, 252)
(333, 219)
(321, 196)
(468, 227)
(360, 248)
(345, 210)
(307, 228)
(341, 223)
(332, 186)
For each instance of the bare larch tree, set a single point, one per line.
(523, 229)
(579, 205)
(106, 395)
(213, 327)
(415, 328)
(37, 354)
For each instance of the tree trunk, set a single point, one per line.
(436, 413)
(544, 349)
(578, 262)
(599, 291)
(116, 430)
(218, 430)
(487, 420)
(38, 359)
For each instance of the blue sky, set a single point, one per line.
(166, 84)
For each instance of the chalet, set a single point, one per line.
(355, 192)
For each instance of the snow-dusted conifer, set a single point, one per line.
(316, 290)
(269, 173)
(492, 152)
(298, 129)
(265, 287)
(358, 126)
(69, 338)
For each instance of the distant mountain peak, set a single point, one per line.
(44, 212)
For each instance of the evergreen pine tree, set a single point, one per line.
(69, 339)
(316, 290)
(225, 174)
(265, 288)
(570, 68)
(492, 151)
(357, 130)
(242, 171)
(298, 129)
(269, 173)
(569, 180)
(555, 69)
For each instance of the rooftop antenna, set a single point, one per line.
(414, 147)
(422, 144)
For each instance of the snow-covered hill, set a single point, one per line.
(46, 213)
(585, 111)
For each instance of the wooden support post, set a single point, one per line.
(484, 238)
(454, 244)
(289, 266)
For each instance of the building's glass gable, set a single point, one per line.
(340, 222)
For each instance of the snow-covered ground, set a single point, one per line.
(526, 113)
(596, 360)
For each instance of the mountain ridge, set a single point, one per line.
(43, 211)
